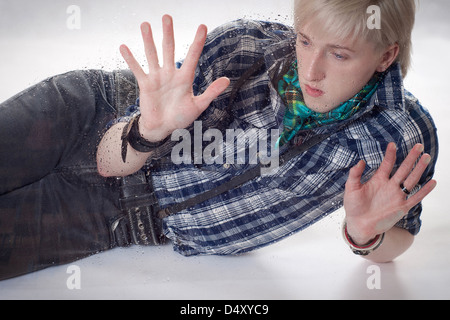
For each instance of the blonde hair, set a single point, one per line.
(349, 18)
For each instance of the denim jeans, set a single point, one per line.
(54, 206)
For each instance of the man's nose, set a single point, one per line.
(313, 68)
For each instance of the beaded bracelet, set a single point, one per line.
(364, 250)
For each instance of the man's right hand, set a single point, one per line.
(167, 102)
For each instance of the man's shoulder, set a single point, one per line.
(420, 114)
(393, 97)
(235, 46)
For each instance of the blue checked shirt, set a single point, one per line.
(304, 190)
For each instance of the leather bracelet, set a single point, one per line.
(364, 250)
(134, 138)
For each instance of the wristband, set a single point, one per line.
(137, 142)
(364, 250)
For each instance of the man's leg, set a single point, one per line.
(54, 207)
(46, 126)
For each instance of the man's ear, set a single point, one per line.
(388, 58)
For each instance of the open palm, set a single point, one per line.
(167, 101)
(375, 207)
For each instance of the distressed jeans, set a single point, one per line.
(54, 206)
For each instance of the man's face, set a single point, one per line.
(332, 71)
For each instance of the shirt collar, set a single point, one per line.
(391, 92)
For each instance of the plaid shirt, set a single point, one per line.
(304, 190)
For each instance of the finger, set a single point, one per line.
(408, 164)
(388, 163)
(132, 62)
(417, 173)
(168, 42)
(191, 61)
(213, 91)
(149, 45)
(355, 175)
(421, 194)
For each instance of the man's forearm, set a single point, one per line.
(397, 241)
(109, 155)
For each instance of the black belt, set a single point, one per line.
(138, 224)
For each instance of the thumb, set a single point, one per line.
(213, 91)
(355, 175)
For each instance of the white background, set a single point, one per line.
(315, 264)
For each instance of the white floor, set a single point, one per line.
(315, 264)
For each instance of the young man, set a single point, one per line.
(331, 80)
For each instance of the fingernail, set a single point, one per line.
(145, 28)
(421, 148)
(434, 184)
(361, 164)
(123, 50)
(394, 145)
(166, 20)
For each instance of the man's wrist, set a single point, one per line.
(152, 136)
(141, 143)
(362, 249)
(358, 237)
(132, 136)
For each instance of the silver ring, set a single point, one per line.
(406, 191)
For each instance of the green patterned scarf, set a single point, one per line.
(299, 117)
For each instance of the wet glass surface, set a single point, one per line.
(43, 38)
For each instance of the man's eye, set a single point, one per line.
(303, 41)
(340, 57)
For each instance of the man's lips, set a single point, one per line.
(313, 92)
